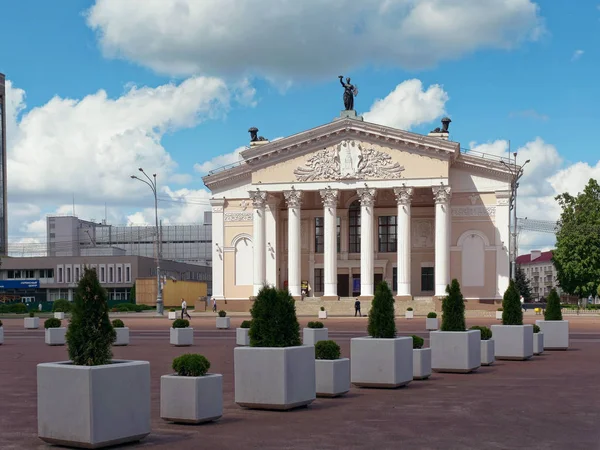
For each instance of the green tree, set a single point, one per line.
(274, 322)
(523, 284)
(382, 323)
(553, 311)
(90, 334)
(132, 294)
(453, 308)
(577, 253)
(512, 311)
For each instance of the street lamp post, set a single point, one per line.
(152, 183)
(516, 173)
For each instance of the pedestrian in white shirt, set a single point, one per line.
(184, 309)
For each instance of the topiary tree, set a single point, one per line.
(417, 341)
(274, 322)
(553, 311)
(52, 323)
(453, 308)
(191, 365)
(486, 333)
(382, 323)
(327, 350)
(132, 294)
(90, 334)
(61, 305)
(512, 313)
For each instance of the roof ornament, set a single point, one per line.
(254, 135)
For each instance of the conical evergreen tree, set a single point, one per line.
(553, 311)
(381, 316)
(523, 284)
(512, 312)
(453, 309)
(274, 322)
(90, 334)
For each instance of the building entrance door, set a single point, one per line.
(343, 288)
(377, 278)
(355, 285)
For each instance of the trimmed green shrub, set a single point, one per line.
(431, 315)
(486, 333)
(61, 305)
(409, 309)
(553, 311)
(417, 341)
(31, 314)
(274, 321)
(327, 350)
(172, 310)
(536, 329)
(222, 313)
(52, 323)
(322, 308)
(315, 325)
(499, 309)
(512, 313)
(90, 335)
(453, 308)
(118, 323)
(382, 323)
(181, 323)
(246, 324)
(191, 365)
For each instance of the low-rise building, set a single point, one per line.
(540, 271)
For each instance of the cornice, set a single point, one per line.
(483, 165)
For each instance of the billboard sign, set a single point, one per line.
(19, 284)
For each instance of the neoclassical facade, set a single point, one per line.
(340, 207)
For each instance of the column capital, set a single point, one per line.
(442, 194)
(259, 198)
(217, 204)
(329, 197)
(367, 196)
(403, 195)
(293, 198)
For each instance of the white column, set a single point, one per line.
(441, 195)
(367, 254)
(403, 197)
(502, 222)
(272, 257)
(259, 199)
(294, 201)
(218, 245)
(330, 197)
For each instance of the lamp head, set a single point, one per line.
(140, 169)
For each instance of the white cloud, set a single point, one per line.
(281, 39)
(529, 114)
(577, 54)
(408, 105)
(219, 161)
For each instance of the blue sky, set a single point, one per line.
(543, 86)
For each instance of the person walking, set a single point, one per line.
(522, 303)
(214, 304)
(184, 309)
(357, 308)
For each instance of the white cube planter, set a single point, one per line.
(409, 314)
(310, 336)
(556, 334)
(223, 323)
(172, 315)
(191, 399)
(538, 343)
(322, 314)
(381, 363)
(122, 336)
(513, 342)
(59, 315)
(32, 323)
(1, 335)
(421, 363)
(332, 377)
(242, 336)
(182, 337)
(431, 324)
(93, 406)
(274, 378)
(488, 354)
(455, 351)
(55, 336)
(498, 315)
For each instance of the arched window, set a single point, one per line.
(473, 245)
(243, 260)
(354, 227)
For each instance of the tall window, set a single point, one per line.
(119, 275)
(76, 274)
(354, 227)
(127, 274)
(427, 279)
(60, 275)
(387, 234)
(68, 274)
(320, 234)
(111, 275)
(319, 280)
(102, 275)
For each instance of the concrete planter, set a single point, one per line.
(421, 363)
(322, 314)
(182, 337)
(55, 336)
(310, 336)
(381, 363)
(93, 406)
(556, 334)
(455, 351)
(172, 315)
(538, 343)
(1, 335)
(431, 324)
(32, 323)
(488, 354)
(409, 314)
(513, 342)
(223, 323)
(122, 336)
(332, 377)
(59, 315)
(274, 378)
(191, 399)
(242, 337)
(498, 315)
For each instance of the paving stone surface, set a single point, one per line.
(549, 402)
